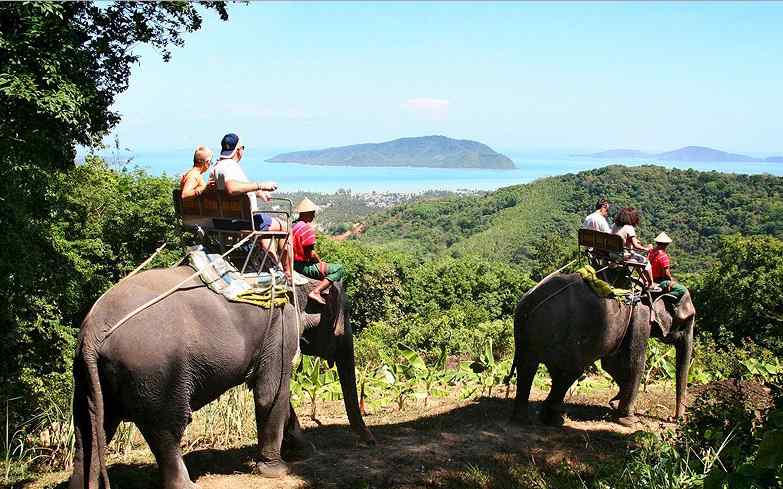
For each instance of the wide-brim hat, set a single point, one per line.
(229, 145)
(663, 238)
(305, 205)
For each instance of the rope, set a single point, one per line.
(168, 292)
(545, 278)
(145, 262)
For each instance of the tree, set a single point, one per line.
(67, 232)
(740, 295)
(62, 64)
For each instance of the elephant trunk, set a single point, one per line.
(346, 369)
(684, 349)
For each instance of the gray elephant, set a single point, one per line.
(183, 352)
(567, 327)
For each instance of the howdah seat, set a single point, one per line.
(222, 220)
(606, 253)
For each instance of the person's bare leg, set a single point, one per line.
(315, 294)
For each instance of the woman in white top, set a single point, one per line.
(625, 223)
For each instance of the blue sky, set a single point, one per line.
(521, 77)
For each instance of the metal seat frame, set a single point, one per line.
(215, 204)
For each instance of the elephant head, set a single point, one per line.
(673, 324)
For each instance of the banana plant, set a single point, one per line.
(434, 377)
(490, 372)
(314, 381)
(401, 374)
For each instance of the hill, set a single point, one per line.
(688, 153)
(695, 208)
(427, 151)
(700, 153)
(774, 159)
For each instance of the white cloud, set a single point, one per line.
(430, 108)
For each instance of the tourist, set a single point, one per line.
(192, 184)
(625, 223)
(597, 220)
(230, 177)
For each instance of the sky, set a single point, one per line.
(520, 77)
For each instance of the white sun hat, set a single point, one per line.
(663, 238)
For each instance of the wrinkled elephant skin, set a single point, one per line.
(168, 361)
(567, 327)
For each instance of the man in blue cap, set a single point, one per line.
(230, 178)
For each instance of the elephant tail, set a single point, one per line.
(88, 409)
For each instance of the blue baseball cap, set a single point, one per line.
(229, 144)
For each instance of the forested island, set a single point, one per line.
(688, 153)
(426, 151)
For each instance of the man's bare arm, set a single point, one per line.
(234, 187)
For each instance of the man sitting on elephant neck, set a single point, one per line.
(306, 260)
(659, 261)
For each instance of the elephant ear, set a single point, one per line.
(337, 308)
(661, 318)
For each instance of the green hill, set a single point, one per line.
(426, 151)
(695, 208)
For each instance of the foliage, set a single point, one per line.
(314, 380)
(695, 208)
(69, 232)
(64, 63)
(102, 223)
(751, 268)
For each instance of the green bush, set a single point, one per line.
(740, 296)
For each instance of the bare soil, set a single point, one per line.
(448, 444)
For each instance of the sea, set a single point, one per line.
(310, 178)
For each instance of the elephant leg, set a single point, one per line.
(164, 444)
(272, 395)
(295, 446)
(613, 368)
(526, 371)
(552, 408)
(633, 360)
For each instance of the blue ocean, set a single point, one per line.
(293, 176)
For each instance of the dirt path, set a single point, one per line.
(431, 447)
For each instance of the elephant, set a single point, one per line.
(565, 325)
(183, 352)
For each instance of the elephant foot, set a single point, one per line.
(628, 421)
(297, 449)
(552, 417)
(614, 404)
(271, 469)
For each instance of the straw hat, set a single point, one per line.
(663, 238)
(306, 205)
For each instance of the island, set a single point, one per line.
(425, 151)
(688, 153)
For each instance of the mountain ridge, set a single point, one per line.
(424, 151)
(686, 153)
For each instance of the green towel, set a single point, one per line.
(600, 287)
